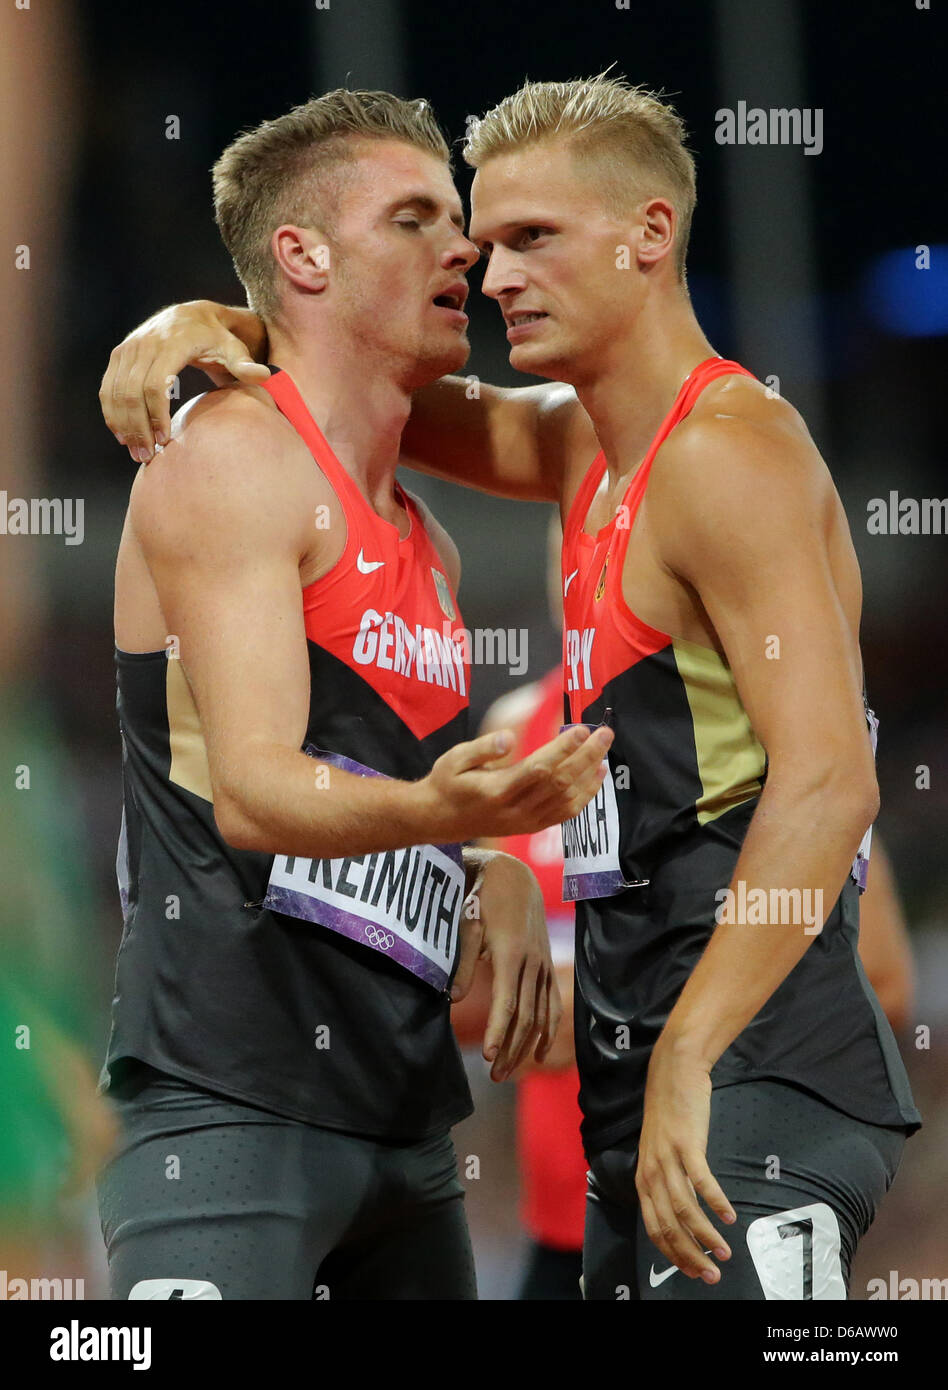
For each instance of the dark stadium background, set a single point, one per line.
(800, 266)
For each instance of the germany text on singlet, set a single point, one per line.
(332, 1011)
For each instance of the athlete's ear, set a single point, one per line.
(655, 231)
(302, 253)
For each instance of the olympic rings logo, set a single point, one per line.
(382, 940)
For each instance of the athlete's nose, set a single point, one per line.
(501, 276)
(461, 254)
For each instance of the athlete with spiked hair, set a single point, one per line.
(293, 686)
(712, 605)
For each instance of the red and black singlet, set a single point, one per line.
(213, 988)
(686, 770)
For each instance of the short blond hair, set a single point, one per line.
(287, 170)
(626, 130)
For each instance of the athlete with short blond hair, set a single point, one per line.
(293, 687)
(712, 604)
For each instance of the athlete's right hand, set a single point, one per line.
(135, 395)
(469, 797)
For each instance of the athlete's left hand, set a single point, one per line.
(134, 394)
(672, 1168)
(508, 927)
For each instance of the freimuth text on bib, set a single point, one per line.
(404, 903)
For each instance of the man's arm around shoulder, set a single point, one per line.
(224, 519)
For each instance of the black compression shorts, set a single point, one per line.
(207, 1198)
(805, 1181)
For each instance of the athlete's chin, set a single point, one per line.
(444, 359)
(538, 360)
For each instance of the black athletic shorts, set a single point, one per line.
(208, 1198)
(805, 1181)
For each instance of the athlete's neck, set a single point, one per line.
(638, 376)
(362, 414)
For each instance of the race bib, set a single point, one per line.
(591, 846)
(860, 868)
(404, 903)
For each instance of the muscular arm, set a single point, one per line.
(520, 442)
(222, 522)
(523, 443)
(747, 509)
(218, 520)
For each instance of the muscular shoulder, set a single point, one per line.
(234, 464)
(742, 459)
(738, 430)
(225, 439)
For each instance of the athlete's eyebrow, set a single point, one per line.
(424, 203)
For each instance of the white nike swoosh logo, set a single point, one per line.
(569, 580)
(656, 1279)
(365, 566)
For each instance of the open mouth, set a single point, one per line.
(452, 297)
(531, 316)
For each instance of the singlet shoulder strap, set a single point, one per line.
(692, 386)
(695, 382)
(702, 376)
(290, 403)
